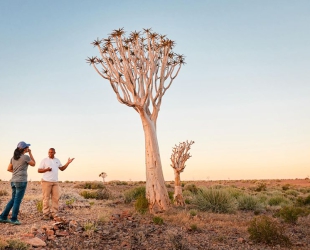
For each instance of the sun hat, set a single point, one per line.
(23, 145)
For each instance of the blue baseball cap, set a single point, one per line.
(23, 145)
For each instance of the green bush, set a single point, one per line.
(170, 194)
(260, 187)
(70, 201)
(192, 188)
(3, 192)
(39, 205)
(158, 220)
(133, 194)
(292, 192)
(141, 204)
(263, 229)
(278, 200)
(286, 187)
(194, 227)
(100, 194)
(249, 202)
(235, 192)
(215, 200)
(18, 245)
(290, 214)
(93, 185)
(193, 212)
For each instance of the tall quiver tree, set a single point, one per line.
(180, 154)
(137, 68)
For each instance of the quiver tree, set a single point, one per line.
(140, 69)
(180, 154)
(103, 175)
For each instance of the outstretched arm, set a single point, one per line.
(67, 164)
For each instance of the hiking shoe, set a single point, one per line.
(16, 222)
(4, 220)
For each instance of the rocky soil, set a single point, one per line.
(112, 224)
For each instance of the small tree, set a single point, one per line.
(137, 68)
(103, 175)
(178, 158)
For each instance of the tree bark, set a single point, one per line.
(156, 192)
(178, 196)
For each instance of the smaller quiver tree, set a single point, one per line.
(180, 154)
(103, 175)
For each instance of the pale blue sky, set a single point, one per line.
(243, 95)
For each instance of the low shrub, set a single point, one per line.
(192, 188)
(291, 214)
(39, 205)
(286, 187)
(192, 212)
(235, 192)
(158, 220)
(171, 194)
(249, 202)
(93, 185)
(292, 192)
(141, 204)
(278, 200)
(194, 227)
(70, 201)
(215, 200)
(260, 187)
(100, 194)
(3, 192)
(263, 229)
(133, 194)
(18, 244)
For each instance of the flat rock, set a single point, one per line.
(36, 242)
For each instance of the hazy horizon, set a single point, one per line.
(243, 95)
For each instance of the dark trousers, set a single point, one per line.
(18, 191)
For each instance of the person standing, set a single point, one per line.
(50, 189)
(18, 167)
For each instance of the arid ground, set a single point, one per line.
(112, 219)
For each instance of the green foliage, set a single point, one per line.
(3, 192)
(39, 205)
(70, 201)
(278, 200)
(18, 244)
(215, 200)
(133, 194)
(249, 202)
(193, 212)
(286, 187)
(93, 185)
(260, 187)
(290, 214)
(235, 192)
(192, 188)
(158, 220)
(100, 194)
(168, 186)
(170, 194)
(194, 227)
(141, 204)
(263, 229)
(292, 192)
(3, 244)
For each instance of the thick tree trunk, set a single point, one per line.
(178, 196)
(156, 192)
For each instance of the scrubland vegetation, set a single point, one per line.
(244, 214)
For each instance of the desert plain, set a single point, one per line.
(97, 215)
